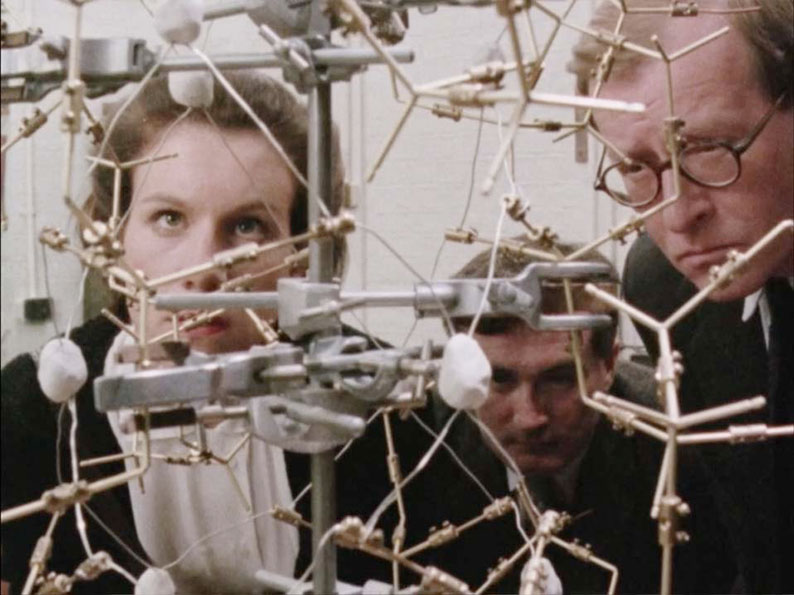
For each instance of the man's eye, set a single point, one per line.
(557, 382)
(631, 169)
(502, 378)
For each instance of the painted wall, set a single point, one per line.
(420, 191)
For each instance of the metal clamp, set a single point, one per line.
(520, 296)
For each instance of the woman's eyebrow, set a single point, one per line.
(256, 206)
(162, 198)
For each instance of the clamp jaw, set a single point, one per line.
(520, 296)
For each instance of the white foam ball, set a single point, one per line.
(62, 370)
(155, 581)
(179, 21)
(465, 373)
(540, 573)
(191, 89)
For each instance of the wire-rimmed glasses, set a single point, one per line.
(712, 163)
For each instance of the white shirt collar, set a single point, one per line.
(750, 304)
(758, 301)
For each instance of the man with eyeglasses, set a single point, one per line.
(735, 149)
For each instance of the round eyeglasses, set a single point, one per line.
(714, 164)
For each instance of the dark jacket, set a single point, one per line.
(724, 360)
(29, 437)
(611, 506)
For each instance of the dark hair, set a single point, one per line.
(510, 261)
(769, 32)
(154, 109)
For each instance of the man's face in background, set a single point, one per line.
(534, 409)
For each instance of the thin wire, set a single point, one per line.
(282, 230)
(491, 267)
(123, 572)
(166, 134)
(12, 12)
(262, 127)
(497, 237)
(366, 330)
(503, 454)
(411, 330)
(207, 35)
(389, 500)
(80, 296)
(505, 166)
(146, 7)
(413, 271)
(338, 456)
(115, 537)
(520, 525)
(464, 215)
(472, 175)
(454, 456)
(127, 102)
(47, 285)
(58, 437)
(212, 534)
(112, 125)
(320, 545)
(78, 510)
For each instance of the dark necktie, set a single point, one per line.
(780, 297)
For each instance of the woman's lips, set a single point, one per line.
(211, 327)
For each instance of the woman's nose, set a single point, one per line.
(200, 249)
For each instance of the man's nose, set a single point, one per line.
(200, 249)
(693, 208)
(527, 415)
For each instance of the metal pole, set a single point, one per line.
(321, 269)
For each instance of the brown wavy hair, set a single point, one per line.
(153, 110)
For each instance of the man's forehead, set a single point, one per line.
(522, 345)
(723, 59)
(713, 89)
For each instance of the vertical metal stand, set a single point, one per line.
(321, 269)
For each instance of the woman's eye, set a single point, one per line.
(169, 219)
(249, 226)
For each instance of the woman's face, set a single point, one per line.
(224, 188)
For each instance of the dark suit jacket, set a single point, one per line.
(611, 508)
(29, 430)
(725, 360)
(441, 493)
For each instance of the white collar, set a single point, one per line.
(750, 304)
(758, 301)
